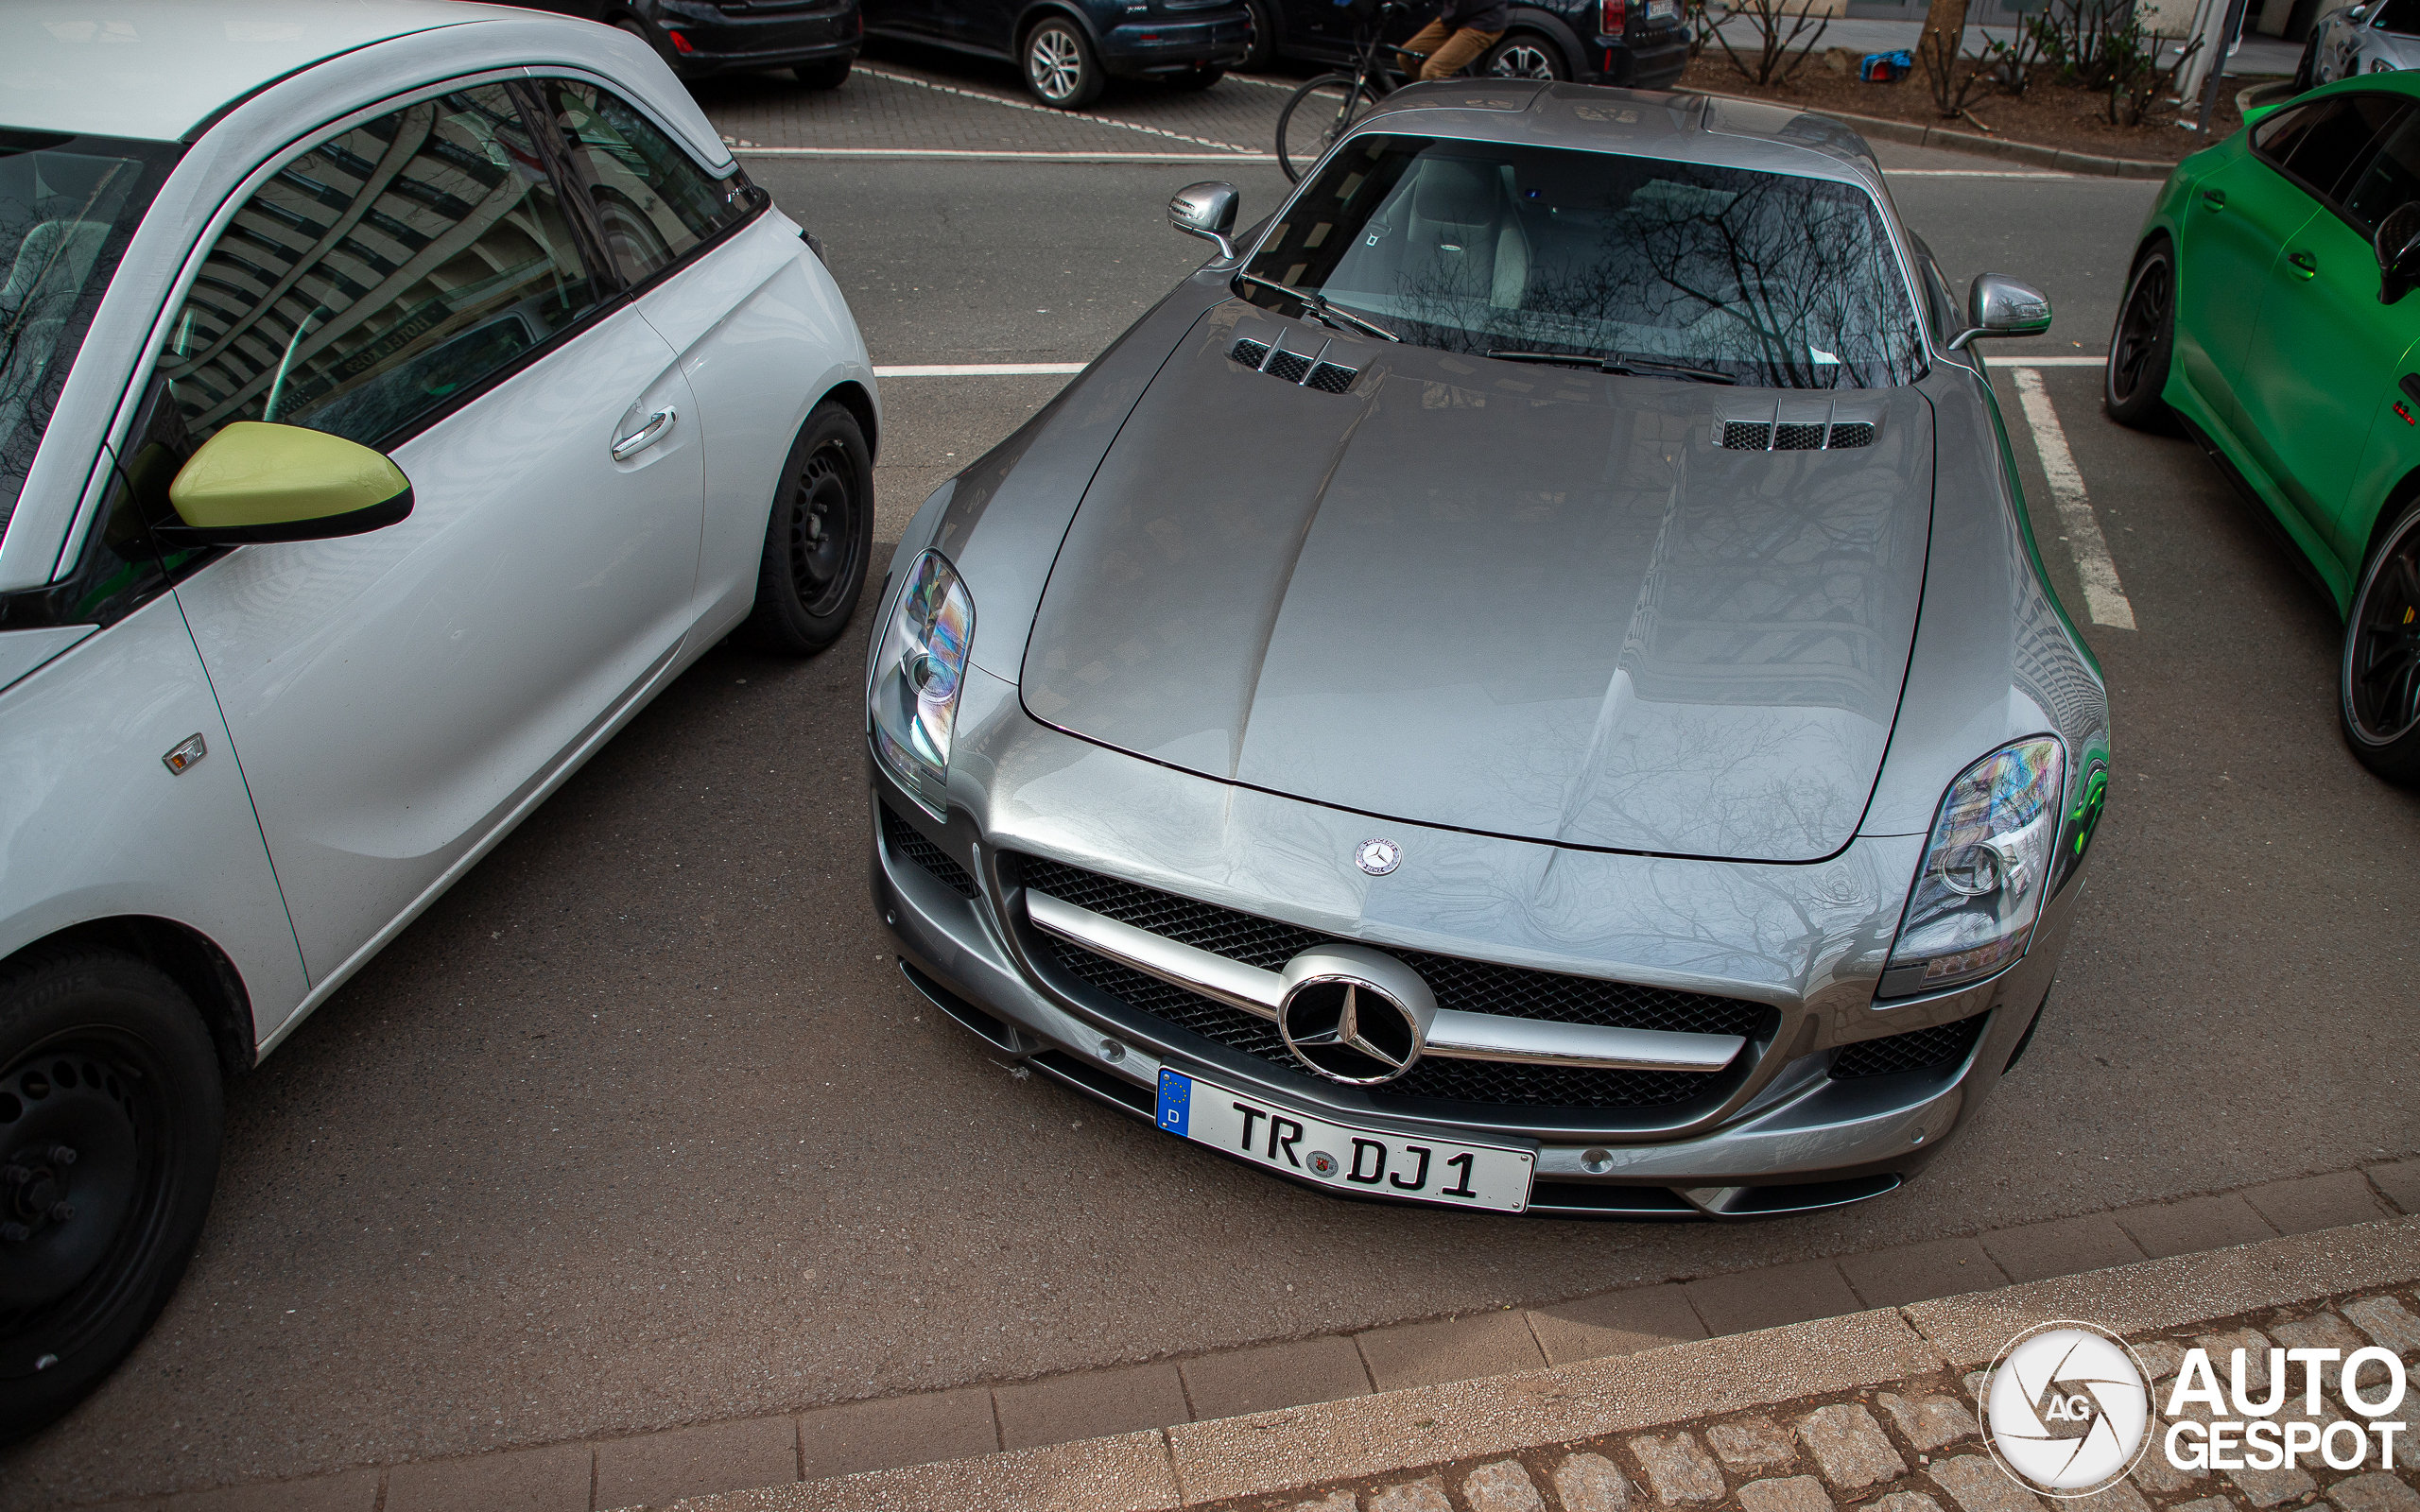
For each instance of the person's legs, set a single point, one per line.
(1459, 50)
(1426, 40)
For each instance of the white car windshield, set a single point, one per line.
(67, 206)
(1475, 246)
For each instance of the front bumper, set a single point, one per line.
(762, 34)
(1779, 1134)
(1146, 49)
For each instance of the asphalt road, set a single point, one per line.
(640, 1126)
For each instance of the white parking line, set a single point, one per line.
(2051, 362)
(1985, 173)
(982, 370)
(2104, 597)
(740, 149)
(1043, 110)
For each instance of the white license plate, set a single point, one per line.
(1347, 1159)
(1663, 9)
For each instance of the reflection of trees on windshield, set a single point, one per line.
(57, 213)
(1775, 279)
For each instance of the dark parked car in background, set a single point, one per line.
(1069, 49)
(816, 39)
(1640, 43)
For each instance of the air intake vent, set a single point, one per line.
(1313, 371)
(1793, 435)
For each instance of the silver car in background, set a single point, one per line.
(2376, 38)
(1523, 684)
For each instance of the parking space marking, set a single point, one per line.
(982, 370)
(2104, 597)
(2053, 362)
(1985, 173)
(741, 149)
(1043, 109)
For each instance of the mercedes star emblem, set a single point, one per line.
(1379, 857)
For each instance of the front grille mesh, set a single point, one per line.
(1943, 1045)
(1483, 1083)
(1796, 436)
(1330, 379)
(1471, 987)
(1290, 366)
(1746, 436)
(1848, 433)
(909, 842)
(1249, 353)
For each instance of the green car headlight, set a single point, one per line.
(911, 703)
(1986, 870)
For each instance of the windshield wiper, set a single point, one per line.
(1620, 362)
(1317, 303)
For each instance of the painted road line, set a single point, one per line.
(741, 149)
(982, 370)
(2050, 362)
(1043, 109)
(1990, 173)
(2104, 597)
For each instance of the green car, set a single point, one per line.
(2267, 312)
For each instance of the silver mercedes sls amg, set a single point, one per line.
(2377, 37)
(1525, 683)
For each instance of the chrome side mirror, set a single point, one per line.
(1997, 305)
(1207, 211)
(2397, 244)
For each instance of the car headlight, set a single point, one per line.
(1985, 873)
(911, 703)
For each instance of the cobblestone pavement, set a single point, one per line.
(1914, 1445)
(914, 100)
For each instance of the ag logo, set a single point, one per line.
(2066, 1410)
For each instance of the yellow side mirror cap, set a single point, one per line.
(255, 481)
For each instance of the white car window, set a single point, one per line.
(383, 277)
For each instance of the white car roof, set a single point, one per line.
(157, 68)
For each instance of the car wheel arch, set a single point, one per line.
(852, 396)
(1552, 27)
(190, 958)
(1034, 15)
(2390, 509)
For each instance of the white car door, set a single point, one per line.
(419, 281)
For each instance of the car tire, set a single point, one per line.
(1061, 67)
(1196, 78)
(1526, 55)
(2379, 687)
(111, 1117)
(1260, 37)
(819, 538)
(829, 73)
(2143, 343)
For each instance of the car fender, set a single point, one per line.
(1031, 16)
(1555, 29)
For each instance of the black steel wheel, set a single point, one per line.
(2140, 347)
(1315, 116)
(110, 1126)
(2381, 679)
(1060, 65)
(1526, 55)
(819, 538)
(1260, 37)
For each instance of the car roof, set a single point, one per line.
(1709, 128)
(157, 69)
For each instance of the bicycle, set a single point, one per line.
(1337, 101)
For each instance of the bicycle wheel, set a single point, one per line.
(1318, 114)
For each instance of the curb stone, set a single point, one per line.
(1410, 1445)
(1911, 134)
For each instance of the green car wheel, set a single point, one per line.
(2382, 657)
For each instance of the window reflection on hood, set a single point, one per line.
(1475, 246)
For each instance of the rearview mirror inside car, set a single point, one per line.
(259, 482)
(1997, 305)
(1207, 211)
(2397, 244)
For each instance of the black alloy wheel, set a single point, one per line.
(1060, 66)
(2381, 679)
(2143, 342)
(1260, 37)
(818, 539)
(110, 1126)
(1526, 55)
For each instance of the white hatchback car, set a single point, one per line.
(393, 399)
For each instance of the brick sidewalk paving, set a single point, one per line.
(905, 101)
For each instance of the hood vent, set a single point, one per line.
(1796, 436)
(1308, 373)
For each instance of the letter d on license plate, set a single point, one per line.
(1343, 1157)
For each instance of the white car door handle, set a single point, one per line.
(657, 426)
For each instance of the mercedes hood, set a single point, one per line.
(1624, 613)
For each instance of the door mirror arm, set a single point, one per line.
(1997, 305)
(1207, 211)
(2398, 246)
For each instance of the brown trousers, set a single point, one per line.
(1447, 53)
